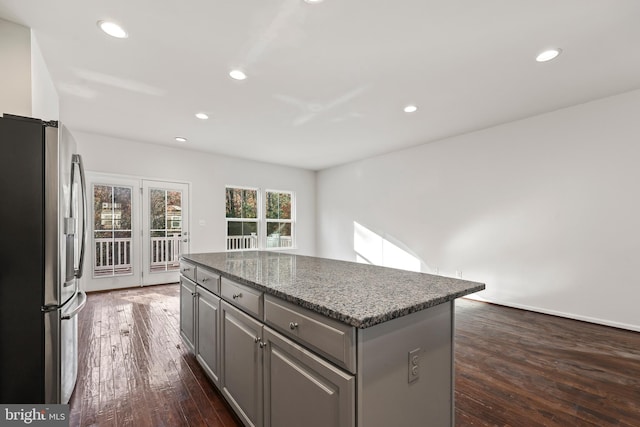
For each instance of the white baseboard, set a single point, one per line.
(627, 326)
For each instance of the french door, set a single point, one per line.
(139, 229)
(165, 230)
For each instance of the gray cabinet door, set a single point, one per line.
(187, 293)
(207, 343)
(241, 354)
(301, 389)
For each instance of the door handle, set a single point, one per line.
(77, 160)
(82, 298)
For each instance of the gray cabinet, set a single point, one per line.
(207, 332)
(241, 353)
(300, 388)
(187, 318)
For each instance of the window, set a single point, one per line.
(242, 218)
(254, 225)
(278, 219)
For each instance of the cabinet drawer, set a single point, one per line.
(208, 280)
(248, 299)
(188, 270)
(330, 338)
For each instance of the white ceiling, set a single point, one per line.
(327, 82)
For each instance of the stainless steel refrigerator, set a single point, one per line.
(42, 229)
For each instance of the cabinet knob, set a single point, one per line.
(236, 296)
(256, 340)
(293, 325)
(186, 269)
(263, 344)
(204, 279)
(193, 294)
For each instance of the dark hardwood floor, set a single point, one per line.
(513, 368)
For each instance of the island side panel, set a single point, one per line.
(385, 397)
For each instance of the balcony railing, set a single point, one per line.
(238, 243)
(113, 256)
(165, 253)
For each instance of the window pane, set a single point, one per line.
(285, 206)
(234, 203)
(250, 204)
(279, 235)
(272, 206)
(242, 235)
(157, 209)
(166, 229)
(112, 230)
(102, 196)
(122, 208)
(241, 228)
(278, 205)
(280, 228)
(174, 211)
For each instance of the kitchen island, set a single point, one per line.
(293, 340)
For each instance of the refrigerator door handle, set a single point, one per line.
(82, 298)
(77, 160)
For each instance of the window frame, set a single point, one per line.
(291, 221)
(262, 221)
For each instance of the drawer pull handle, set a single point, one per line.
(236, 296)
(204, 279)
(293, 325)
(186, 269)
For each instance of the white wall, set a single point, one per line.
(15, 71)
(545, 211)
(208, 175)
(44, 97)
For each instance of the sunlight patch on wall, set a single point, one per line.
(371, 248)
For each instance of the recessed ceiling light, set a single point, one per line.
(202, 116)
(181, 139)
(548, 55)
(237, 74)
(410, 109)
(113, 29)
(313, 1)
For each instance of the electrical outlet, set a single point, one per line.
(414, 365)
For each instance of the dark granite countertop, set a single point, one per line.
(360, 295)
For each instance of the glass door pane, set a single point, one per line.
(165, 210)
(112, 233)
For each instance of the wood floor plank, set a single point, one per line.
(513, 368)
